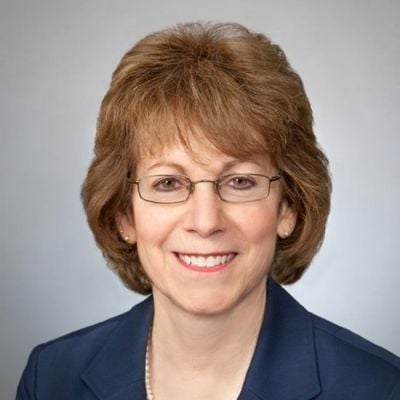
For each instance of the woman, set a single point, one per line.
(207, 190)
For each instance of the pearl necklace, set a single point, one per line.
(149, 393)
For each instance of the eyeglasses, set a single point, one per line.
(234, 188)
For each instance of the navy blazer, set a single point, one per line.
(298, 357)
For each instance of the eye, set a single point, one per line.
(168, 183)
(241, 182)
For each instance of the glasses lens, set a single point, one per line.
(164, 188)
(243, 187)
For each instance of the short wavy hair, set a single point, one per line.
(240, 90)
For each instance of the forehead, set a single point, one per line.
(199, 156)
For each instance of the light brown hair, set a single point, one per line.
(239, 89)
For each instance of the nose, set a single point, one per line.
(204, 214)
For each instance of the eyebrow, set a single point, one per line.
(226, 166)
(170, 164)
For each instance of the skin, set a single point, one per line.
(200, 315)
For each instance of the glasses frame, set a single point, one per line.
(192, 184)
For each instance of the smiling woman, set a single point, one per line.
(240, 226)
(208, 190)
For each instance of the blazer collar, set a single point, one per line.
(117, 370)
(283, 367)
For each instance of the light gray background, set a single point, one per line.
(56, 62)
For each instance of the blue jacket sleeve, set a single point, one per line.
(27, 385)
(395, 395)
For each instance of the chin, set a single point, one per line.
(205, 309)
(210, 304)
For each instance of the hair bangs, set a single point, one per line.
(196, 111)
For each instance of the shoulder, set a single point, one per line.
(89, 339)
(63, 358)
(355, 344)
(356, 364)
(78, 346)
(62, 361)
(326, 357)
(88, 336)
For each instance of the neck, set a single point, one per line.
(220, 346)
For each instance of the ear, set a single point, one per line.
(126, 228)
(286, 220)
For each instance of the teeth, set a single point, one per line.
(206, 262)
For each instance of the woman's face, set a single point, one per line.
(238, 240)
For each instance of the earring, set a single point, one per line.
(125, 237)
(286, 234)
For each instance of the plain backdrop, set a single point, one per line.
(56, 59)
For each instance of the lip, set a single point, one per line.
(202, 258)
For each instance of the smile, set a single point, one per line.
(207, 263)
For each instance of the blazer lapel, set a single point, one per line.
(284, 365)
(117, 370)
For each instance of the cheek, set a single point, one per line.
(260, 235)
(153, 228)
(151, 221)
(259, 224)
(264, 228)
